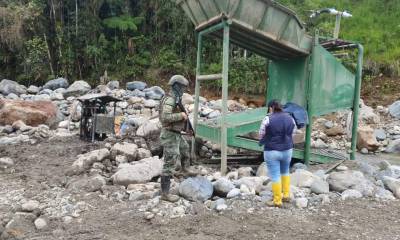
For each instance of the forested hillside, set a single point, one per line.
(148, 40)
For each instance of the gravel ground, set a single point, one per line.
(41, 168)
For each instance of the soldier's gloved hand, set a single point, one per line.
(185, 117)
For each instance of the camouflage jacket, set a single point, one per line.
(170, 114)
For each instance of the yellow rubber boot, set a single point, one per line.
(277, 195)
(286, 188)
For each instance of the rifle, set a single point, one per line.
(188, 123)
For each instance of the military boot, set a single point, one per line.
(165, 186)
(188, 171)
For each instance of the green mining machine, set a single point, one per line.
(302, 70)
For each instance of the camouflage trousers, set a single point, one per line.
(176, 151)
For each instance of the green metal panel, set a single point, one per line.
(288, 80)
(332, 83)
(261, 26)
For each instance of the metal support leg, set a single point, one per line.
(356, 103)
(225, 68)
(197, 95)
(309, 99)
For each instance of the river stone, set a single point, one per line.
(367, 114)
(56, 83)
(8, 86)
(154, 92)
(113, 85)
(149, 128)
(196, 189)
(6, 162)
(233, 193)
(223, 186)
(256, 183)
(129, 150)
(40, 223)
(380, 134)
(138, 172)
(150, 103)
(85, 161)
(86, 184)
(136, 85)
(302, 178)
(319, 186)
(262, 170)
(33, 89)
(351, 194)
(30, 206)
(393, 147)
(301, 202)
(394, 109)
(384, 194)
(12, 96)
(393, 185)
(341, 181)
(187, 99)
(20, 227)
(245, 172)
(78, 88)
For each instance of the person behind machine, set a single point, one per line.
(276, 135)
(175, 147)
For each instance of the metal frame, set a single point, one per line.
(229, 129)
(224, 25)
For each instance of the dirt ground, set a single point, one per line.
(42, 166)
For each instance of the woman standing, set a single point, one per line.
(276, 135)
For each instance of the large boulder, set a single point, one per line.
(341, 181)
(253, 183)
(155, 92)
(394, 109)
(223, 186)
(21, 226)
(138, 172)
(152, 127)
(56, 83)
(389, 171)
(367, 114)
(393, 185)
(302, 178)
(78, 88)
(196, 189)
(129, 150)
(32, 113)
(366, 139)
(262, 170)
(393, 147)
(113, 85)
(86, 184)
(187, 99)
(136, 85)
(85, 161)
(319, 186)
(8, 86)
(33, 89)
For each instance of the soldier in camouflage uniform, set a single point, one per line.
(176, 148)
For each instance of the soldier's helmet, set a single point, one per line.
(178, 79)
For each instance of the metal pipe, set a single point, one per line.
(209, 77)
(214, 28)
(197, 94)
(337, 26)
(309, 96)
(356, 102)
(225, 69)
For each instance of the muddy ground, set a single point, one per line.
(41, 167)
